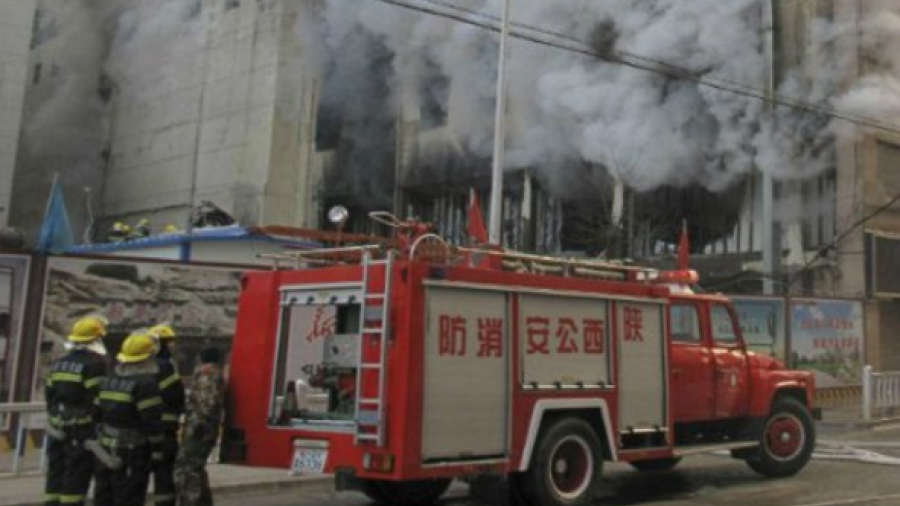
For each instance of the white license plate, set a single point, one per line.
(309, 461)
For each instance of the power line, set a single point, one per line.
(570, 44)
(843, 235)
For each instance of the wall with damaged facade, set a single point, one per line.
(15, 35)
(180, 101)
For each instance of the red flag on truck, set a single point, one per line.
(684, 248)
(477, 231)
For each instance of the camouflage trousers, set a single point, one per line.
(191, 479)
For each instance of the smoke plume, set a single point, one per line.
(646, 128)
(565, 109)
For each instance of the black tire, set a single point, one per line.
(567, 466)
(405, 493)
(656, 464)
(786, 440)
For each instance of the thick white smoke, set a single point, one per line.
(645, 128)
(878, 95)
(565, 109)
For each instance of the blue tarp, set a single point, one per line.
(211, 234)
(56, 232)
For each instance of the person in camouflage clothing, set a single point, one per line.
(203, 415)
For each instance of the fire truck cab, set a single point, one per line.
(401, 368)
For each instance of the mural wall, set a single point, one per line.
(762, 324)
(827, 338)
(199, 302)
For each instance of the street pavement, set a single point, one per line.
(700, 481)
(850, 468)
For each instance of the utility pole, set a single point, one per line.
(494, 234)
(770, 262)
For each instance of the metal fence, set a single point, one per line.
(881, 394)
(22, 453)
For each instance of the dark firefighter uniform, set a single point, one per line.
(71, 389)
(130, 412)
(172, 392)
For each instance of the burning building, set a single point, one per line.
(624, 120)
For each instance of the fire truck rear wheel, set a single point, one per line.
(656, 464)
(787, 440)
(567, 467)
(405, 493)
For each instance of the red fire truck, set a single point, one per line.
(401, 368)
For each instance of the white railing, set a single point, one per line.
(881, 394)
(22, 413)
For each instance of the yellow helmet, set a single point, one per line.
(163, 331)
(138, 347)
(88, 329)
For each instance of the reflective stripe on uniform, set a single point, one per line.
(149, 403)
(163, 498)
(68, 377)
(169, 417)
(59, 422)
(51, 497)
(91, 383)
(71, 498)
(171, 380)
(115, 396)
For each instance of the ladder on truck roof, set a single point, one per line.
(374, 332)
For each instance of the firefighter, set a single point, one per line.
(140, 230)
(119, 232)
(172, 392)
(201, 429)
(71, 389)
(131, 432)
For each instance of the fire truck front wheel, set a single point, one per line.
(786, 442)
(405, 493)
(567, 467)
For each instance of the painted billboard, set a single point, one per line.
(762, 324)
(827, 338)
(199, 302)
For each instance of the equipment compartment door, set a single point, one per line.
(466, 390)
(642, 366)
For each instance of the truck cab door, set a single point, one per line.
(732, 392)
(691, 366)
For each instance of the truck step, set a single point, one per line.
(368, 418)
(681, 451)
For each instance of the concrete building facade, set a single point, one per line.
(187, 101)
(15, 37)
